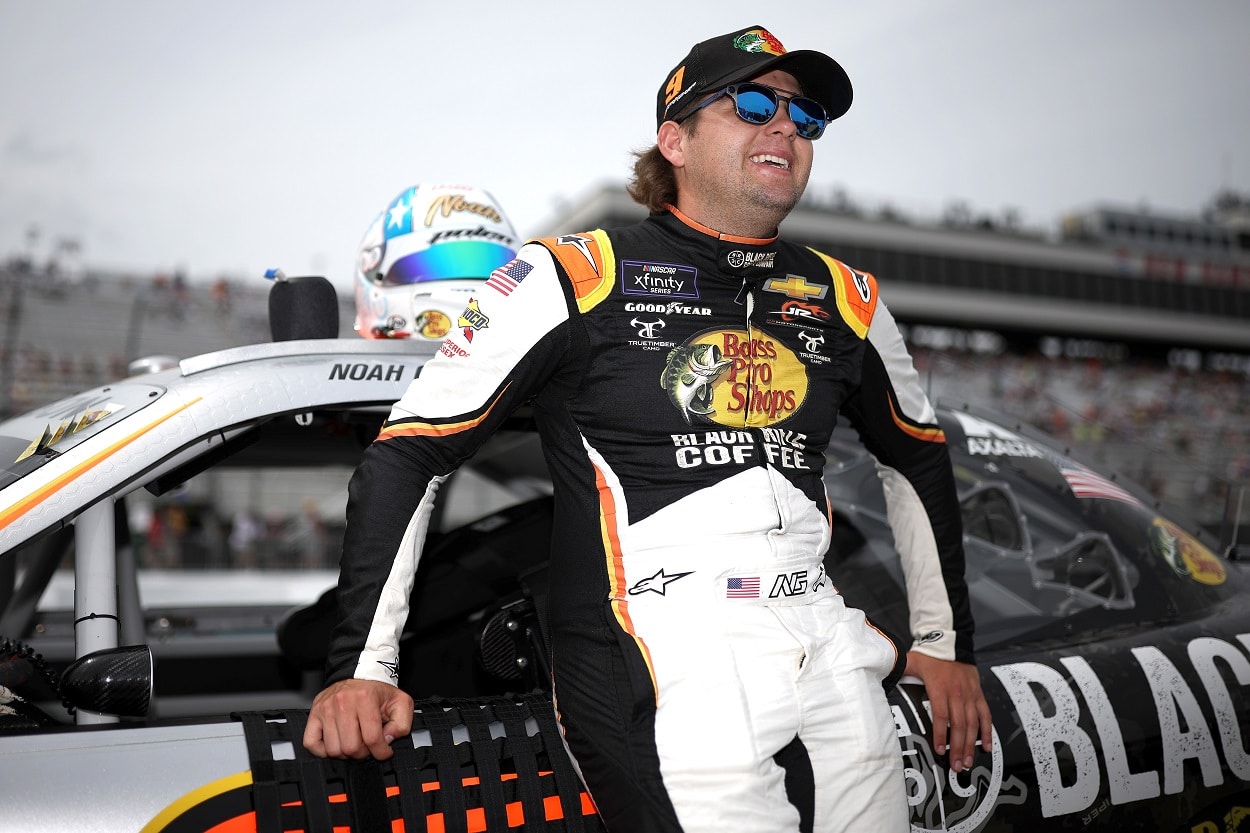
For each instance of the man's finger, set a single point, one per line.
(939, 727)
(313, 737)
(987, 725)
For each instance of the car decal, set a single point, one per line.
(226, 806)
(39, 495)
(1185, 554)
(1079, 747)
(173, 819)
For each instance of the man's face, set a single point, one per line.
(731, 167)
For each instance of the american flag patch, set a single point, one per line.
(1087, 484)
(746, 587)
(505, 279)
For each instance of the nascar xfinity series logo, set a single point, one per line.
(735, 378)
(673, 280)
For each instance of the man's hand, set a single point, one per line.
(356, 719)
(955, 698)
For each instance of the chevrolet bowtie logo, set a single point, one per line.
(795, 286)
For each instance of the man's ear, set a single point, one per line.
(671, 142)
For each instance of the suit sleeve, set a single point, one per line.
(501, 352)
(899, 427)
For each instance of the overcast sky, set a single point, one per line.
(224, 137)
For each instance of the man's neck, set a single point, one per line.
(753, 222)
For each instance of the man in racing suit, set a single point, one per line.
(686, 373)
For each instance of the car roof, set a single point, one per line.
(62, 457)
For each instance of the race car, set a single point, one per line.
(1113, 642)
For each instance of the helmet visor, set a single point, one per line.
(449, 260)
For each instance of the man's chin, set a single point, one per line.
(776, 200)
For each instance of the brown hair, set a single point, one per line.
(654, 184)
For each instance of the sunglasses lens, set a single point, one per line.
(755, 104)
(808, 117)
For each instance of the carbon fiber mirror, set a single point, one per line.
(114, 681)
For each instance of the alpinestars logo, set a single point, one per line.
(657, 583)
(861, 285)
(577, 241)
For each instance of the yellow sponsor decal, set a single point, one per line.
(736, 379)
(1185, 554)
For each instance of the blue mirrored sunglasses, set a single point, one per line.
(758, 103)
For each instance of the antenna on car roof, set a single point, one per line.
(1235, 549)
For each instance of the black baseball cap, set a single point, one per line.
(737, 56)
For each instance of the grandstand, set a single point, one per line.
(62, 335)
(1126, 334)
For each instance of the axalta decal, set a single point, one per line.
(735, 378)
(991, 440)
(1082, 721)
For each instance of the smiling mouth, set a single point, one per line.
(769, 159)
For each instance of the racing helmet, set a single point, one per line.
(424, 256)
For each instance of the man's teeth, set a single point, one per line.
(772, 160)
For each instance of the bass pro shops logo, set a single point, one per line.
(735, 379)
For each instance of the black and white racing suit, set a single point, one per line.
(685, 384)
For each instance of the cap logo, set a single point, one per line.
(674, 85)
(759, 40)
